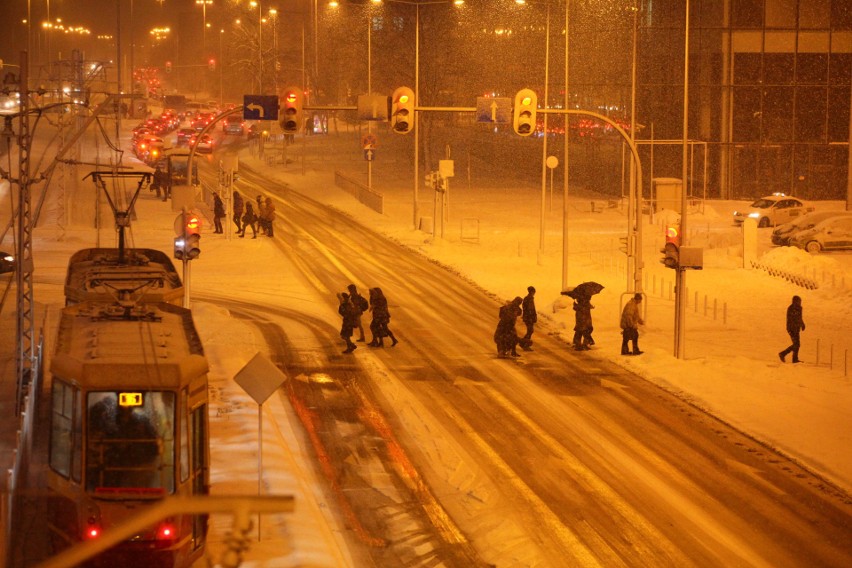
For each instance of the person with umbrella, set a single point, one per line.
(582, 294)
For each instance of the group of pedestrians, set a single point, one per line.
(258, 215)
(506, 335)
(352, 307)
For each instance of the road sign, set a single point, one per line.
(373, 107)
(260, 107)
(494, 109)
(369, 154)
(369, 141)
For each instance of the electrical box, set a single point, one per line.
(691, 258)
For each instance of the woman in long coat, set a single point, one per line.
(583, 324)
(381, 318)
(350, 316)
(506, 336)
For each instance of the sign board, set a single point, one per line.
(446, 168)
(369, 141)
(369, 154)
(260, 378)
(496, 110)
(183, 197)
(373, 107)
(260, 107)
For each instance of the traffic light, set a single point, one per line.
(192, 236)
(291, 104)
(211, 64)
(402, 110)
(179, 247)
(671, 250)
(168, 66)
(526, 104)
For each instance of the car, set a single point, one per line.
(234, 124)
(7, 262)
(773, 210)
(834, 233)
(183, 136)
(782, 234)
(204, 144)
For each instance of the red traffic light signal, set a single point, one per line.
(168, 66)
(211, 64)
(291, 104)
(671, 250)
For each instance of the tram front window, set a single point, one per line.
(130, 442)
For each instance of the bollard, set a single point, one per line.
(725, 313)
(705, 305)
(714, 309)
(817, 353)
(831, 356)
(696, 302)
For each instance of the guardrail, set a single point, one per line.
(369, 197)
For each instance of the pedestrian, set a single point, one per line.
(158, 181)
(261, 218)
(218, 213)
(583, 324)
(361, 305)
(631, 319)
(506, 336)
(268, 216)
(238, 211)
(795, 325)
(350, 315)
(249, 220)
(530, 317)
(381, 318)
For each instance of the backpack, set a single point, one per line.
(363, 305)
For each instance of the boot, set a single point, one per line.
(393, 339)
(781, 356)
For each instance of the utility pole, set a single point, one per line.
(24, 255)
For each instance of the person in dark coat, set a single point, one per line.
(238, 211)
(159, 181)
(530, 317)
(261, 214)
(583, 324)
(350, 315)
(381, 318)
(268, 216)
(795, 325)
(218, 213)
(631, 319)
(506, 336)
(361, 306)
(249, 220)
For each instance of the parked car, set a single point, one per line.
(834, 233)
(7, 262)
(782, 234)
(773, 210)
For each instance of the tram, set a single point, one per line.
(128, 425)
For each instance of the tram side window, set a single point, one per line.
(65, 431)
(184, 437)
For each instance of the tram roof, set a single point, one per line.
(108, 346)
(142, 274)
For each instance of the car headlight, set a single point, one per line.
(754, 215)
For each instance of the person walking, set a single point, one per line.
(530, 317)
(238, 211)
(261, 216)
(795, 325)
(583, 324)
(631, 319)
(249, 220)
(381, 318)
(268, 216)
(506, 336)
(218, 213)
(350, 316)
(361, 305)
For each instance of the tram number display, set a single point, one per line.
(130, 399)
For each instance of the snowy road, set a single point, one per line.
(552, 460)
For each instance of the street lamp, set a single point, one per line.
(255, 4)
(203, 4)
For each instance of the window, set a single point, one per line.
(814, 14)
(62, 429)
(747, 13)
(810, 114)
(128, 447)
(812, 68)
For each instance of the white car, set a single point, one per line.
(782, 234)
(834, 233)
(772, 210)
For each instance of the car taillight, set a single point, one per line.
(93, 532)
(166, 532)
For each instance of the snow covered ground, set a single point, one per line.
(734, 328)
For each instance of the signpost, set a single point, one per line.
(497, 110)
(260, 107)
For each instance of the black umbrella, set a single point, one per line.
(584, 290)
